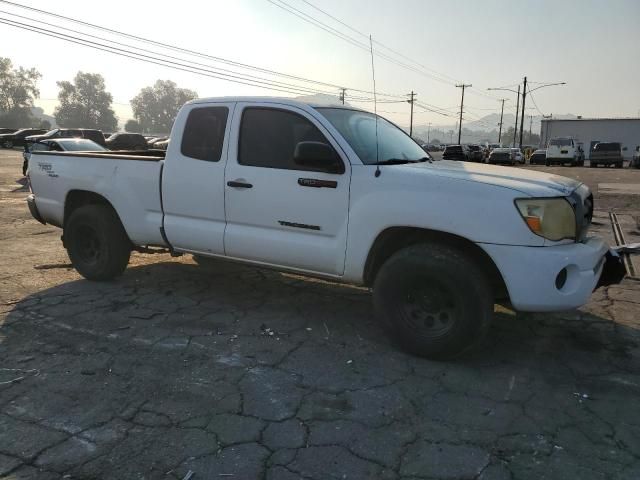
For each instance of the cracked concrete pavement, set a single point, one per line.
(235, 372)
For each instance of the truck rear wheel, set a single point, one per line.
(433, 300)
(97, 243)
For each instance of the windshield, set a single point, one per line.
(607, 147)
(561, 142)
(359, 130)
(80, 145)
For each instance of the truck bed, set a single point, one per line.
(129, 180)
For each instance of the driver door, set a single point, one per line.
(278, 212)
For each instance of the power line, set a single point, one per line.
(217, 69)
(323, 26)
(534, 103)
(375, 41)
(452, 81)
(149, 59)
(188, 51)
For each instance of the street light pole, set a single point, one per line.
(463, 86)
(515, 130)
(411, 101)
(523, 103)
(524, 98)
(501, 115)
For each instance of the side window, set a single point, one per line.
(204, 133)
(268, 138)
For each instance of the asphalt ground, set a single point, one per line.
(237, 372)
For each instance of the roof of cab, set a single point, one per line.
(281, 100)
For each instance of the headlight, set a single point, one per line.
(551, 218)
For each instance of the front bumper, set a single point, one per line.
(534, 278)
(31, 202)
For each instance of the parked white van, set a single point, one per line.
(564, 150)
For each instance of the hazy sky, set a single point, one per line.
(592, 45)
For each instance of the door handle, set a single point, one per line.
(237, 184)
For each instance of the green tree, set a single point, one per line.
(133, 126)
(155, 108)
(85, 103)
(18, 91)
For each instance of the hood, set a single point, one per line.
(36, 138)
(7, 135)
(529, 182)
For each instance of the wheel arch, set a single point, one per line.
(80, 198)
(393, 239)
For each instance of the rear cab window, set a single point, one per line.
(203, 135)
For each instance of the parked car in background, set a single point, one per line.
(457, 152)
(518, 157)
(606, 153)
(126, 141)
(635, 161)
(6, 130)
(501, 156)
(561, 151)
(59, 145)
(155, 140)
(161, 145)
(476, 154)
(88, 133)
(17, 139)
(539, 157)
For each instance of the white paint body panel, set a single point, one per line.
(204, 215)
(131, 186)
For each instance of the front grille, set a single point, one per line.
(582, 201)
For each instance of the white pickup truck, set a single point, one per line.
(336, 193)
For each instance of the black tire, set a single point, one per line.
(8, 144)
(433, 300)
(592, 165)
(97, 243)
(619, 165)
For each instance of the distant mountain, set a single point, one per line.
(483, 129)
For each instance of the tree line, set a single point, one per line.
(84, 102)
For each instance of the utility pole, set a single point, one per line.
(524, 97)
(501, 115)
(411, 100)
(429, 133)
(463, 86)
(515, 130)
(343, 91)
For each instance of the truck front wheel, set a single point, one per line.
(433, 300)
(97, 243)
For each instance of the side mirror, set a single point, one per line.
(318, 156)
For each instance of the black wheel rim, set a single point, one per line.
(429, 309)
(89, 246)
